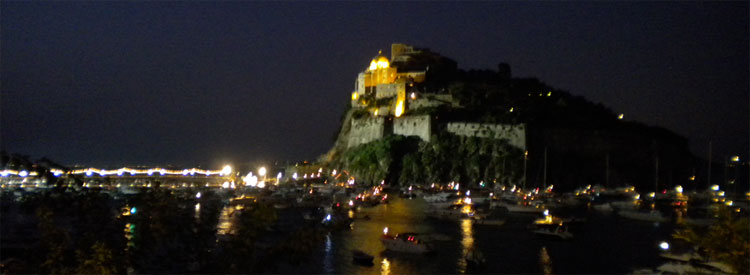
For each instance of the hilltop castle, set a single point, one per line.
(390, 92)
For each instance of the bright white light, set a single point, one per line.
(328, 218)
(456, 187)
(664, 245)
(294, 176)
(467, 200)
(225, 184)
(409, 187)
(729, 203)
(261, 184)
(198, 195)
(546, 212)
(385, 231)
(652, 194)
(721, 193)
(226, 170)
(334, 172)
(715, 187)
(678, 188)
(133, 210)
(23, 173)
(468, 192)
(278, 176)
(351, 203)
(88, 173)
(262, 171)
(320, 170)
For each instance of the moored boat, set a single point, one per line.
(404, 242)
(558, 231)
(653, 216)
(452, 212)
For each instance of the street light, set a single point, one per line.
(262, 173)
(226, 170)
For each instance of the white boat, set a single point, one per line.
(553, 230)
(603, 207)
(480, 200)
(451, 212)
(518, 208)
(488, 221)
(692, 263)
(405, 242)
(653, 216)
(437, 197)
(694, 268)
(624, 205)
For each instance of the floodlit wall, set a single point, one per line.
(413, 126)
(389, 90)
(514, 134)
(365, 130)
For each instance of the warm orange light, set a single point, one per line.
(399, 108)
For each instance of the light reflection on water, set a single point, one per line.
(385, 267)
(328, 260)
(225, 221)
(467, 242)
(510, 248)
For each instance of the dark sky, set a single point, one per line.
(202, 83)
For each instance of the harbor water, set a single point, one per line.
(604, 243)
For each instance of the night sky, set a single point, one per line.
(203, 83)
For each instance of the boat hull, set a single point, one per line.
(404, 246)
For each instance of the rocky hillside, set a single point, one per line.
(585, 143)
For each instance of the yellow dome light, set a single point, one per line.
(354, 96)
(373, 65)
(383, 62)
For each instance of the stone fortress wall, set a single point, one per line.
(420, 126)
(387, 119)
(389, 90)
(364, 130)
(515, 134)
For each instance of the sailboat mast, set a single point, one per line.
(606, 170)
(656, 175)
(544, 178)
(709, 164)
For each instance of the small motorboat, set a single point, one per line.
(360, 257)
(606, 208)
(557, 231)
(404, 242)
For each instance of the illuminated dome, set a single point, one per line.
(379, 62)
